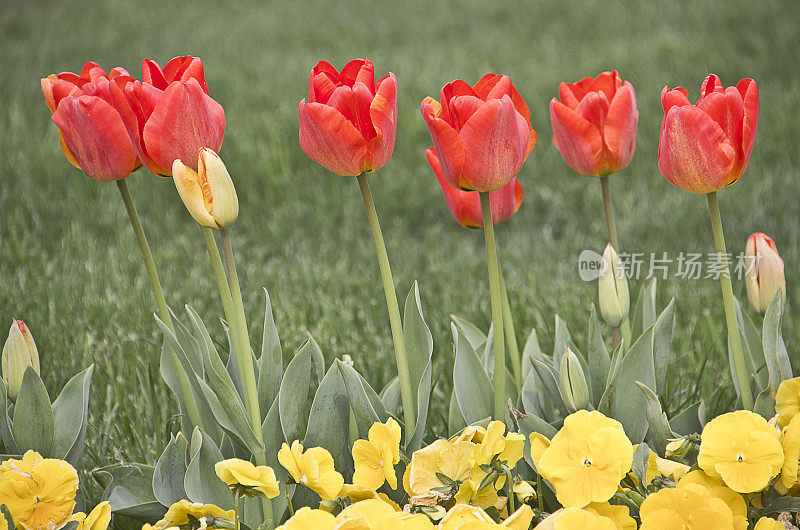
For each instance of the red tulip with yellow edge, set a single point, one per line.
(172, 123)
(482, 133)
(92, 134)
(706, 146)
(594, 124)
(349, 122)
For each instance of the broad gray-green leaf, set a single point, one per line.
(627, 404)
(753, 349)
(293, 400)
(419, 348)
(531, 423)
(329, 420)
(473, 333)
(662, 341)
(778, 363)
(562, 341)
(390, 397)
(363, 408)
(765, 404)
(639, 463)
(635, 315)
(170, 471)
(688, 420)
(471, 385)
(271, 360)
(530, 394)
(33, 423)
(599, 360)
(6, 437)
(129, 490)
(221, 384)
(659, 432)
(71, 416)
(201, 481)
(649, 303)
(531, 349)
(455, 420)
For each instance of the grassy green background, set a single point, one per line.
(69, 265)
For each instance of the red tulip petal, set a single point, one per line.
(465, 206)
(62, 89)
(47, 89)
(749, 91)
(363, 99)
(359, 70)
(447, 142)
(593, 108)
(185, 68)
(567, 96)
(135, 101)
(329, 139)
(462, 108)
(96, 137)
(578, 141)
(675, 97)
(694, 153)
(493, 86)
(451, 90)
(622, 121)
(383, 113)
(320, 87)
(495, 142)
(67, 153)
(184, 120)
(727, 109)
(711, 84)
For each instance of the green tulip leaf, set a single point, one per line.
(688, 420)
(391, 398)
(659, 432)
(71, 417)
(599, 360)
(471, 385)
(129, 490)
(201, 482)
(270, 364)
(363, 408)
(473, 333)
(419, 348)
(293, 397)
(6, 437)
(33, 426)
(170, 472)
(530, 350)
(778, 364)
(329, 420)
(662, 341)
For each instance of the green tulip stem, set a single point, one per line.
(158, 293)
(244, 361)
(236, 513)
(734, 337)
(608, 207)
(409, 411)
(511, 335)
(219, 274)
(497, 309)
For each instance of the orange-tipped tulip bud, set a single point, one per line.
(208, 193)
(349, 122)
(19, 352)
(764, 271)
(615, 300)
(706, 146)
(93, 136)
(594, 124)
(466, 205)
(482, 133)
(172, 123)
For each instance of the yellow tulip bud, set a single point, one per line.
(613, 286)
(764, 271)
(574, 389)
(19, 352)
(208, 193)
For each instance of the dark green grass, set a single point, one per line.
(70, 267)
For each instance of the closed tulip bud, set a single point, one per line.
(764, 272)
(574, 389)
(208, 193)
(19, 352)
(613, 286)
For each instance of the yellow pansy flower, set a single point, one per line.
(507, 448)
(465, 517)
(469, 493)
(306, 518)
(179, 513)
(98, 519)
(787, 400)
(370, 513)
(661, 466)
(247, 479)
(767, 523)
(717, 489)
(358, 493)
(3, 522)
(313, 468)
(742, 449)
(790, 441)
(471, 433)
(586, 459)
(450, 459)
(577, 519)
(690, 507)
(406, 521)
(539, 443)
(524, 491)
(376, 457)
(619, 515)
(38, 492)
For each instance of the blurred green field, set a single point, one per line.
(69, 265)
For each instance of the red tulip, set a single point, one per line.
(466, 205)
(172, 123)
(349, 123)
(707, 146)
(594, 124)
(482, 134)
(91, 131)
